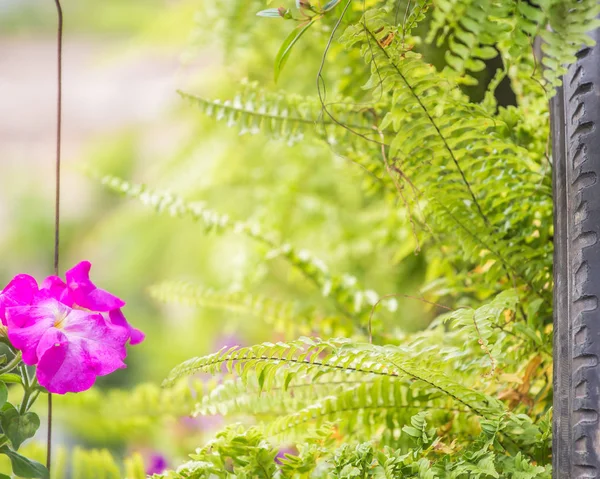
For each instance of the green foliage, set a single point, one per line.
(465, 184)
(244, 451)
(286, 117)
(317, 358)
(22, 466)
(238, 452)
(91, 463)
(17, 422)
(18, 427)
(349, 299)
(467, 155)
(478, 31)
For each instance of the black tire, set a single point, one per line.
(575, 116)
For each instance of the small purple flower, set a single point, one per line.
(282, 452)
(157, 464)
(73, 331)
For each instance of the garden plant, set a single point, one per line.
(382, 191)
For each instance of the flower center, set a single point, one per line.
(59, 321)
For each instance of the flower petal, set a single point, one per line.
(55, 287)
(86, 294)
(98, 334)
(19, 292)
(72, 358)
(27, 325)
(117, 317)
(61, 368)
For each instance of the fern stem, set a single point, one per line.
(403, 371)
(267, 116)
(436, 386)
(321, 83)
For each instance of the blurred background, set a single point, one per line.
(123, 63)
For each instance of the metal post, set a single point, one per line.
(575, 116)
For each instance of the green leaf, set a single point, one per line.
(17, 427)
(331, 4)
(11, 378)
(3, 394)
(286, 47)
(411, 431)
(270, 13)
(529, 332)
(24, 467)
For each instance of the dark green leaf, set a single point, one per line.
(288, 44)
(25, 467)
(19, 427)
(3, 394)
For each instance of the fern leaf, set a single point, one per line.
(269, 310)
(308, 356)
(465, 156)
(285, 116)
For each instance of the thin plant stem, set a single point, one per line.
(28, 387)
(57, 195)
(12, 364)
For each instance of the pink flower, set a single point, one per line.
(79, 292)
(73, 331)
(70, 347)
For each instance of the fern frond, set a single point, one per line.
(569, 23)
(471, 29)
(474, 29)
(284, 116)
(288, 392)
(270, 310)
(479, 323)
(448, 148)
(364, 407)
(343, 290)
(318, 358)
